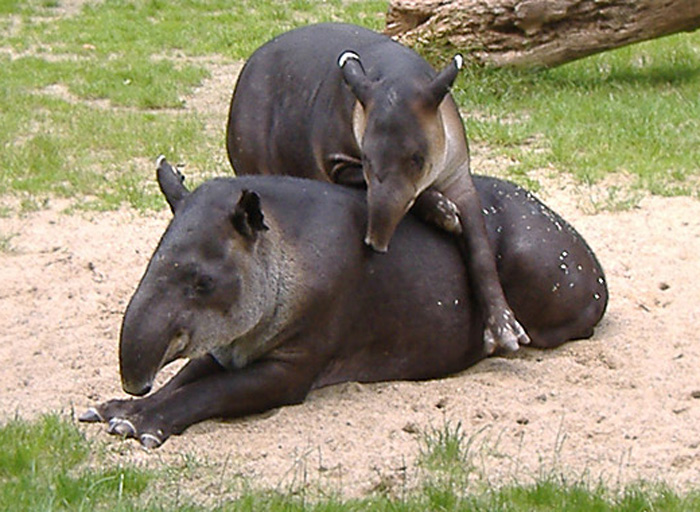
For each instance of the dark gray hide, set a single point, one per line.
(378, 116)
(265, 284)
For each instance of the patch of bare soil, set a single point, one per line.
(621, 406)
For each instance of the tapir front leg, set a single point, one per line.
(117, 408)
(219, 393)
(433, 207)
(501, 329)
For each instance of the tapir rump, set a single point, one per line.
(265, 285)
(341, 103)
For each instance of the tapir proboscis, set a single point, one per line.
(265, 285)
(341, 103)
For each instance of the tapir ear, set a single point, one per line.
(247, 216)
(170, 181)
(355, 76)
(441, 84)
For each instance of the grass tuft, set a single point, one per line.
(48, 464)
(444, 448)
(43, 467)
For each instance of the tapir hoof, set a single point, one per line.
(150, 441)
(447, 217)
(121, 427)
(504, 336)
(91, 416)
(437, 209)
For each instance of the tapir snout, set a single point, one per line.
(387, 203)
(149, 339)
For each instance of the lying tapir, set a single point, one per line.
(341, 103)
(265, 284)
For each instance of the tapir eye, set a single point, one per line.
(204, 285)
(417, 160)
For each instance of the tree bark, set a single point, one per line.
(534, 33)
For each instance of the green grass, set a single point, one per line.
(192, 27)
(445, 448)
(6, 243)
(89, 100)
(44, 466)
(635, 110)
(74, 150)
(48, 464)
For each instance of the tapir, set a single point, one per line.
(341, 103)
(263, 282)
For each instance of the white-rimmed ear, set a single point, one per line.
(170, 182)
(345, 56)
(441, 84)
(354, 75)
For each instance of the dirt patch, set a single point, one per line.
(620, 406)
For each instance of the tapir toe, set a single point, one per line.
(92, 415)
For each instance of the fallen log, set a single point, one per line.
(536, 33)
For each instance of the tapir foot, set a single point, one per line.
(124, 420)
(92, 415)
(125, 428)
(447, 217)
(504, 333)
(438, 210)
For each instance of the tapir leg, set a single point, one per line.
(192, 371)
(501, 327)
(433, 207)
(206, 391)
(550, 276)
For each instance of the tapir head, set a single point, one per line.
(401, 133)
(204, 286)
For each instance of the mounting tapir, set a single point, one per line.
(265, 284)
(341, 103)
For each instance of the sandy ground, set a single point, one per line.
(621, 406)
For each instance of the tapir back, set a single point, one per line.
(294, 132)
(403, 315)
